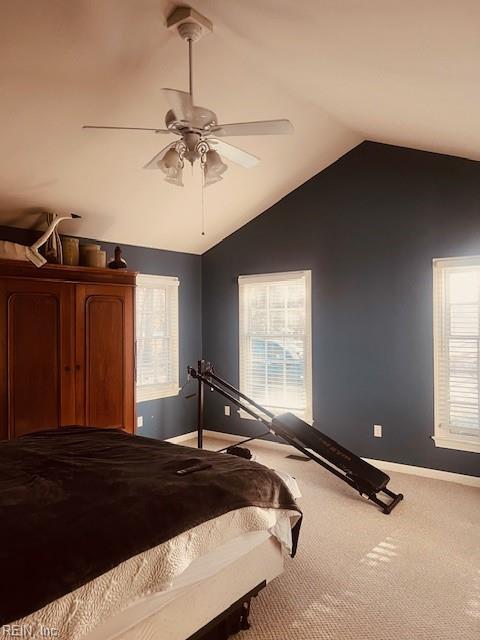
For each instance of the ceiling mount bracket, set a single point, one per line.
(190, 24)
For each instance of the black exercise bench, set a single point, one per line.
(362, 476)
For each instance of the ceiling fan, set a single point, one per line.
(200, 135)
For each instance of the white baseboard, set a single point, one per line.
(183, 438)
(229, 437)
(424, 472)
(267, 444)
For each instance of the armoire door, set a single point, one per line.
(37, 379)
(105, 356)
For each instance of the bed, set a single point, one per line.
(101, 538)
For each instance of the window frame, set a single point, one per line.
(444, 436)
(269, 278)
(145, 393)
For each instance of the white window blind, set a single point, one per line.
(457, 353)
(157, 337)
(275, 341)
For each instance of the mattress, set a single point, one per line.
(153, 578)
(206, 589)
(207, 599)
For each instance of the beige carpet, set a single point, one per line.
(362, 575)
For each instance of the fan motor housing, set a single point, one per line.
(201, 119)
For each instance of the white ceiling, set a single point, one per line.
(404, 73)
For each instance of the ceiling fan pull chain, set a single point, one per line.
(202, 148)
(204, 217)
(203, 194)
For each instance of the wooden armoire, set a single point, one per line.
(67, 346)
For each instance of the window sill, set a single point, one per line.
(157, 394)
(460, 443)
(246, 416)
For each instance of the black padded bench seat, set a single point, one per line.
(362, 476)
(289, 426)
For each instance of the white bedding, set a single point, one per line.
(198, 573)
(154, 571)
(203, 601)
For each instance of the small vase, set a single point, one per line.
(96, 259)
(70, 251)
(85, 249)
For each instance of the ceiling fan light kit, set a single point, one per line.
(172, 165)
(213, 167)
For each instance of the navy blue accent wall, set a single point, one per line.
(368, 228)
(169, 416)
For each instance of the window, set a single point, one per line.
(457, 353)
(157, 337)
(275, 341)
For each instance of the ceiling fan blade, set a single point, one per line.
(153, 163)
(180, 103)
(91, 126)
(234, 154)
(260, 128)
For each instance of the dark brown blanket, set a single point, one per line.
(76, 502)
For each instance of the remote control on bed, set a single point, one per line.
(196, 467)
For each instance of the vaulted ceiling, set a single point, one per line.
(404, 73)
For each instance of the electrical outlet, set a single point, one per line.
(139, 422)
(377, 430)
(227, 410)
